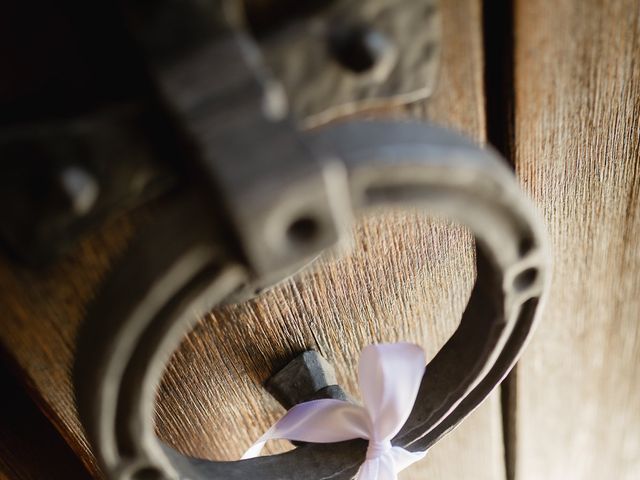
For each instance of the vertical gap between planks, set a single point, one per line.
(508, 397)
(499, 39)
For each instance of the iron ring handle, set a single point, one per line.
(148, 304)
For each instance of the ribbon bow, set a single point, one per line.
(389, 376)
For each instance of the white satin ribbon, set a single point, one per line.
(389, 376)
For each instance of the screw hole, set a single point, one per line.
(303, 230)
(147, 473)
(525, 246)
(525, 278)
(353, 49)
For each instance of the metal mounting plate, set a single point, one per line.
(400, 38)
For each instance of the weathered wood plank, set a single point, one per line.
(40, 313)
(406, 279)
(30, 448)
(577, 69)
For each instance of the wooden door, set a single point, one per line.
(557, 88)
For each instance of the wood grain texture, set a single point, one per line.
(407, 278)
(40, 313)
(26, 435)
(577, 69)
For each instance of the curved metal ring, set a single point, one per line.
(146, 308)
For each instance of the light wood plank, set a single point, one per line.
(577, 151)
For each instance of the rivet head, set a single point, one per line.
(80, 187)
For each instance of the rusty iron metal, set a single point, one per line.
(339, 58)
(307, 377)
(60, 179)
(352, 56)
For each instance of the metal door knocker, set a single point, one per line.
(269, 198)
